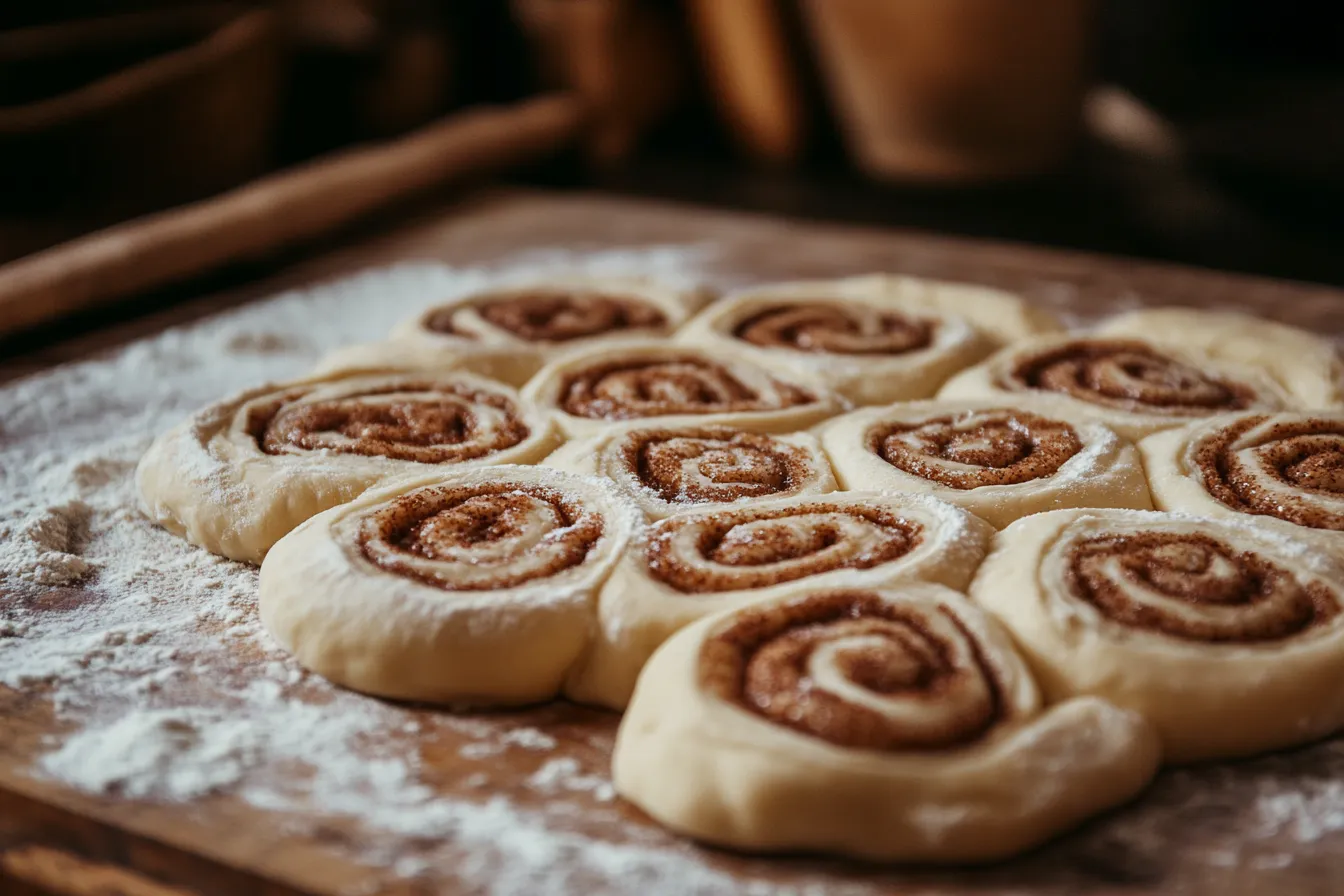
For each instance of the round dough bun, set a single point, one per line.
(1305, 365)
(1289, 466)
(509, 332)
(654, 383)
(873, 339)
(892, 724)
(1135, 387)
(239, 474)
(1000, 458)
(404, 593)
(1228, 638)
(666, 470)
(698, 562)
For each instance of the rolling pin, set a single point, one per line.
(278, 210)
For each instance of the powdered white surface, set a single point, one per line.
(153, 660)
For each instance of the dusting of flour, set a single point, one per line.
(153, 660)
(151, 653)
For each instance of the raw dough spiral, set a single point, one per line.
(664, 470)
(509, 332)
(1229, 639)
(873, 339)
(1289, 466)
(241, 473)
(894, 724)
(1000, 459)
(475, 587)
(697, 562)
(671, 386)
(1133, 386)
(1307, 366)
(857, 671)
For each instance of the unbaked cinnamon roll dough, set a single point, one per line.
(700, 561)
(1000, 458)
(1305, 365)
(241, 473)
(873, 339)
(1286, 466)
(889, 724)
(474, 587)
(1135, 387)
(509, 332)
(673, 385)
(664, 470)
(1227, 637)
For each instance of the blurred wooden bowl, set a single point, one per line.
(955, 90)
(138, 111)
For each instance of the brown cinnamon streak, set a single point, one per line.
(737, 464)
(447, 520)
(439, 425)
(751, 556)
(836, 328)
(759, 661)
(1297, 458)
(1006, 447)
(1199, 570)
(1129, 375)
(666, 385)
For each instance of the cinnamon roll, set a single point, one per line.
(1307, 366)
(1289, 466)
(473, 587)
(241, 473)
(508, 333)
(889, 724)
(873, 339)
(999, 459)
(1134, 386)
(700, 561)
(654, 383)
(1228, 638)
(665, 470)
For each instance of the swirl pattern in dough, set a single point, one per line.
(1306, 364)
(426, 422)
(1000, 459)
(857, 671)
(483, 537)
(1196, 587)
(1128, 375)
(543, 314)
(835, 328)
(761, 547)
(650, 383)
(472, 587)
(844, 720)
(874, 340)
(509, 332)
(665, 470)
(997, 446)
(1198, 624)
(243, 472)
(1135, 387)
(1288, 466)
(699, 561)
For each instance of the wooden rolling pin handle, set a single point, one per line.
(279, 210)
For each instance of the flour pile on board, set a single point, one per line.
(154, 662)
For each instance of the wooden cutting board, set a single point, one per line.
(1273, 825)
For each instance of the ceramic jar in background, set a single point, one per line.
(955, 90)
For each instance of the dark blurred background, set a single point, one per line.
(1201, 131)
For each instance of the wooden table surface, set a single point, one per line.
(1197, 830)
